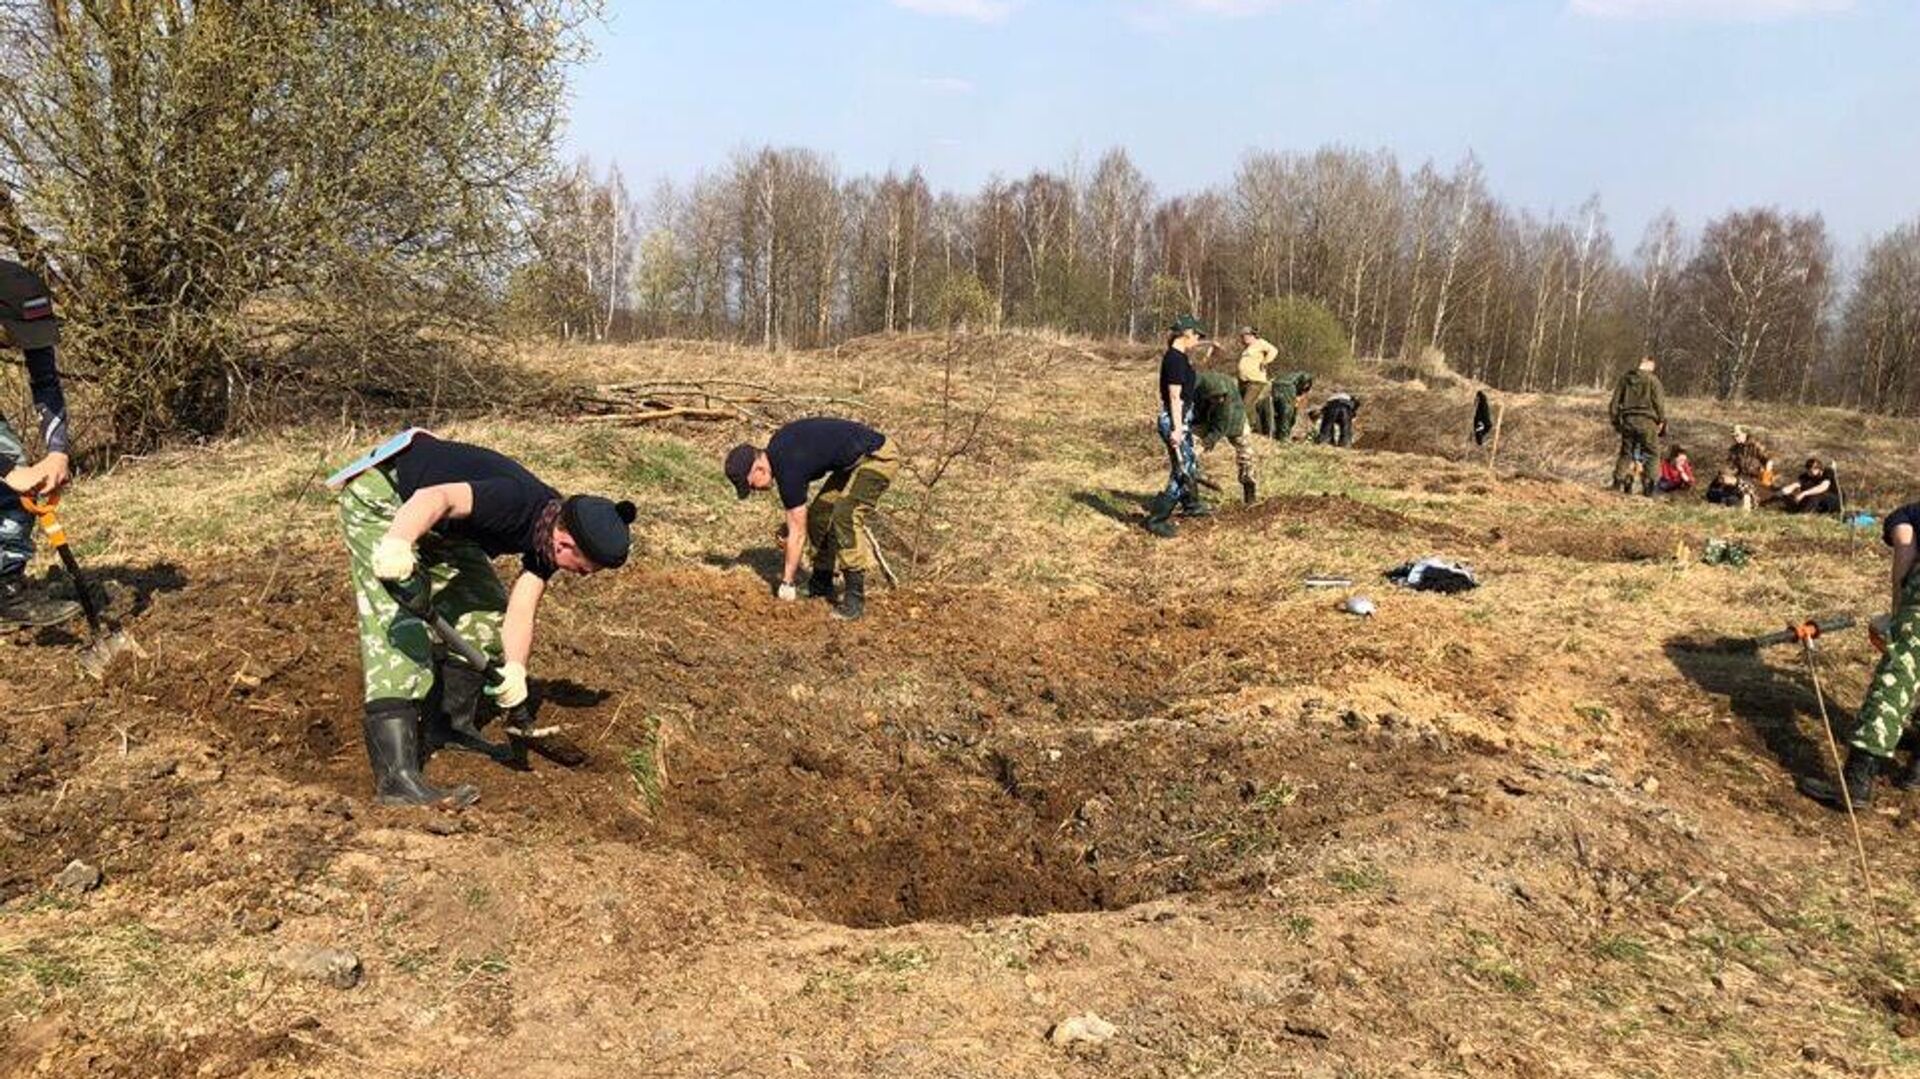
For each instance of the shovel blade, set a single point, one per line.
(100, 655)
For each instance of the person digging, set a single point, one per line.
(857, 464)
(1895, 686)
(1289, 395)
(27, 320)
(1219, 411)
(419, 511)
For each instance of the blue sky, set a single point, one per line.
(1697, 105)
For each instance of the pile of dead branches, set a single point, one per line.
(627, 404)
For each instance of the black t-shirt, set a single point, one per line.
(1908, 514)
(806, 450)
(1176, 370)
(508, 500)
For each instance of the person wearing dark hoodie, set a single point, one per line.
(1638, 413)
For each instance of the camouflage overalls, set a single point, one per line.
(1896, 681)
(396, 649)
(837, 516)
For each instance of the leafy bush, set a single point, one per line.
(1309, 337)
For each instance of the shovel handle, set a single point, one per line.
(413, 598)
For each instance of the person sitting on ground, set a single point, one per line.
(1219, 412)
(1676, 471)
(1888, 707)
(1725, 490)
(1336, 420)
(858, 464)
(1749, 461)
(1814, 492)
(1289, 393)
(419, 511)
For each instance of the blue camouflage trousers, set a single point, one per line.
(1182, 463)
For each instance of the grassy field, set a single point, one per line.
(1544, 828)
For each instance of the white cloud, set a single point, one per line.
(974, 10)
(945, 84)
(1757, 10)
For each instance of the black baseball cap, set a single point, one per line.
(739, 463)
(599, 526)
(26, 307)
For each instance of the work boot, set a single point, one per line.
(1164, 528)
(1248, 491)
(853, 599)
(456, 722)
(1857, 777)
(392, 731)
(24, 604)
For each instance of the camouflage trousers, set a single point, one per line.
(837, 516)
(1896, 681)
(16, 524)
(397, 649)
(1242, 443)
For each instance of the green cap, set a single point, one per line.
(1188, 322)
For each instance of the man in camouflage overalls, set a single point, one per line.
(1891, 695)
(419, 512)
(1219, 411)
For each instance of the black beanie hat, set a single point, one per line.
(599, 527)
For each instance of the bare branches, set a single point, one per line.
(632, 403)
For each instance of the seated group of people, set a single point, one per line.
(1747, 479)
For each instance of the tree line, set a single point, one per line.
(779, 249)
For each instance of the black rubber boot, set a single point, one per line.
(1160, 517)
(392, 730)
(1857, 777)
(853, 599)
(23, 604)
(1248, 491)
(456, 722)
(1192, 506)
(820, 582)
(1910, 779)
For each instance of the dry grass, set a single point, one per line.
(1548, 912)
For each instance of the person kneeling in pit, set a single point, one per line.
(419, 511)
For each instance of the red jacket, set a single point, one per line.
(1676, 478)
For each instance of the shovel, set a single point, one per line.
(522, 734)
(103, 645)
(1796, 633)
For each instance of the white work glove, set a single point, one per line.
(512, 690)
(787, 592)
(393, 559)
